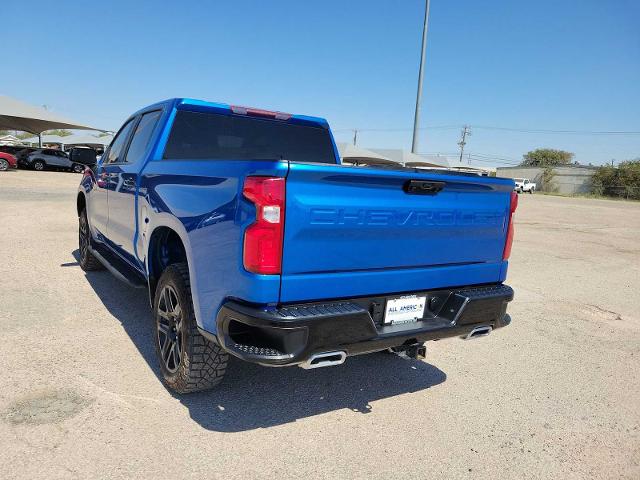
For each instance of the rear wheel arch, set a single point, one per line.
(166, 247)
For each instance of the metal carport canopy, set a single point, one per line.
(17, 115)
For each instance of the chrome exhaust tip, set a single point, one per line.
(477, 332)
(326, 359)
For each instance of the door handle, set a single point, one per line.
(423, 187)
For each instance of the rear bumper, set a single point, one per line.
(290, 334)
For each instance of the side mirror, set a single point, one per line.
(85, 156)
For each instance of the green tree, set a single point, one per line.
(546, 157)
(20, 135)
(58, 132)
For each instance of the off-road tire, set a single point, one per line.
(202, 363)
(87, 261)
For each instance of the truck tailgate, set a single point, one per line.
(353, 231)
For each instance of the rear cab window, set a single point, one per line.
(212, 136)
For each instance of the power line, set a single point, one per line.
(434, 127)
(445, 154)
(505, 129)
(571, 132)
(494, 161)
(500, 157)
(477, 157)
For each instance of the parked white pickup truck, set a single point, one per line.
(524, 185)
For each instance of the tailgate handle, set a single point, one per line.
(422, 187)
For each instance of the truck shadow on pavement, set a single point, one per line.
(252, 396)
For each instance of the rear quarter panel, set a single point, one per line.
(206, 208)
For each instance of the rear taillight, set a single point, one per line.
(262, 250)
(509, 242)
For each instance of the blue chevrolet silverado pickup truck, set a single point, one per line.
(253, 240)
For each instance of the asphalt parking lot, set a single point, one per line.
(554, 395)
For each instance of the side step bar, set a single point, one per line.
(133, 280)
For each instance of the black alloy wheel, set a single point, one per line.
(170, 331)
(88, 262)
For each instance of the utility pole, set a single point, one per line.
(355, 137)
(416, 118)
(463, 141)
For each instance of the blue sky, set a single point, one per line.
(557, 65)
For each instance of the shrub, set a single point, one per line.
(548, 184)
(621, 181)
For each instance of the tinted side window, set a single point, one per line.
(119, 143)
(142, 136)
(212, 136)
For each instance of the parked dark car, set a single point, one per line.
(11, 149)
(22, 154)
(83, 155)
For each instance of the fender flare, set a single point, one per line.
(165, 220)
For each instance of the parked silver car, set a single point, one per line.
(55, 159)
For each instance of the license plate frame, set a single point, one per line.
(403, 310)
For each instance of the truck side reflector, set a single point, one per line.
(262, 248)
(512, 209)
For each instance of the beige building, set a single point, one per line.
(567, 180)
